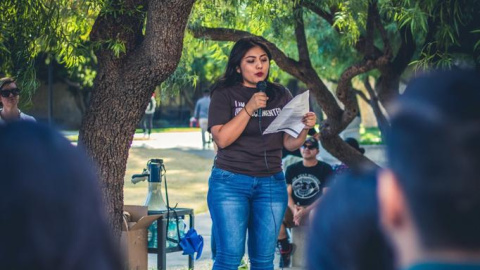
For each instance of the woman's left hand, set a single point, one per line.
(309, 120)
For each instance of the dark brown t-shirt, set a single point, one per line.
(251, 152)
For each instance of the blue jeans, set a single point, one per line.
(239, 202)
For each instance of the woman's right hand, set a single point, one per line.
(257, 101)
(226, 134)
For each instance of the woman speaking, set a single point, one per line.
(247, 187)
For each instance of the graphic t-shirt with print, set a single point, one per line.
(251, 152)
(307, 182)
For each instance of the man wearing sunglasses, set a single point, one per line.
(9, 97)
(305, 181)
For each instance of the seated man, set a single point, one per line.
(429, 197)
(305, 181)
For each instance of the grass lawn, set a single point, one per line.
(187, 177)
(370, 135)
(171, 129)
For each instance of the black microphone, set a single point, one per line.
(261, 86)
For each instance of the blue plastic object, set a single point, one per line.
(191, 243)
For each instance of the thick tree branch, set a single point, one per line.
(362, 95)
(370, 32)
(225, 34)
(406, 50)
(387, 49)
(315, 9)
(354, 70)
(219, 34)
(347, 154)
(344, 89)
(388, 82)
(302, 46)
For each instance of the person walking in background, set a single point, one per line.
(429, 196)
(247, 188)
(52, 215)
(9, 98)
(344, 232)
(147, 122)
(305, 182)
(201, 114)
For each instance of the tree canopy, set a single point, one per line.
(347, 42)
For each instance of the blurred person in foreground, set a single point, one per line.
(51, 211)
(345, 234)
(9, 98)
(429, 197)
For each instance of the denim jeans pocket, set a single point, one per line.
(280, 176)
(220, 175)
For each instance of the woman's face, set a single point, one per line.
(12, 100)
(254, 66)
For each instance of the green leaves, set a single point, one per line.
(442, 29)
(29, 27)
(117, 46)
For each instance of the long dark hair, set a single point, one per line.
(232, 77)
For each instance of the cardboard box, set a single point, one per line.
(134, 236)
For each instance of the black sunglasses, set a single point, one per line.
(309, 146)
(6, 93)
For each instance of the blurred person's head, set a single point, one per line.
(51, 211)
(206, 92)
(345, 234)
(429, 198)
(354, 144)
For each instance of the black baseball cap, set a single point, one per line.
(311, 141)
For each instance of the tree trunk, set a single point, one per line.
(125, 83)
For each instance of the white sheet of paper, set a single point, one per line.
(290, 118)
